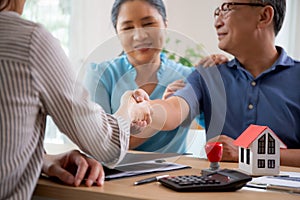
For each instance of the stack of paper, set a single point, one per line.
(286, 181)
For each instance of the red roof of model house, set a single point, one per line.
(251, 133)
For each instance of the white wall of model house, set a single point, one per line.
(249, 161)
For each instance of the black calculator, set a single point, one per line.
(224, 180)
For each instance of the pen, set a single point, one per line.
(149, 180)
(275, 187)
(284, 188)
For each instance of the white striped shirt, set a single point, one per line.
(36, 80)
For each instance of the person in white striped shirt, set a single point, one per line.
(36, 80)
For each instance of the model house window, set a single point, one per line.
(271, 164)
(261, 163)
(261, 145)
(248, 156)
(242, 155)
(271, 145)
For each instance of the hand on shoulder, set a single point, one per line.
(212, 60)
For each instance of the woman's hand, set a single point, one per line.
(212, 60)
(172, 88)
(72, 167)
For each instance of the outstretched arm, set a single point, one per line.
(165, 115)
(168, 114)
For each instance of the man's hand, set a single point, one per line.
(72, 167)
(230, 151)
(140, 114)
(212, 60)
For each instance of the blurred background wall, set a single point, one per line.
(83, 25)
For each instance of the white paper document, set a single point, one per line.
(286, 181)
(133, 158)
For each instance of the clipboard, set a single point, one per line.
(135, 164)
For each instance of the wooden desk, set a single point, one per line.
(123, 188)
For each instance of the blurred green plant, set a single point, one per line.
(190, 56)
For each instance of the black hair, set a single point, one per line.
(5, 4)
(157, 4)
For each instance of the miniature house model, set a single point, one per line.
(259, 151)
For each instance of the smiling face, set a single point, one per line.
(141, 31)
(236, 28)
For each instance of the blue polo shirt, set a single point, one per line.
(107, 82)
(232, 98)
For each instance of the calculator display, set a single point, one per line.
(220, 177)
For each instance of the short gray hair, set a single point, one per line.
(279, 7)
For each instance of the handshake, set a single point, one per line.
(156, 115)
(135, 108)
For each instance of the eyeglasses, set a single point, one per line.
(226, 7)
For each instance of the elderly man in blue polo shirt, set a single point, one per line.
(259, 86)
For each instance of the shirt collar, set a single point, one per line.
(163, 60)
(283, 61)
(127, 63)
(11, 13)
